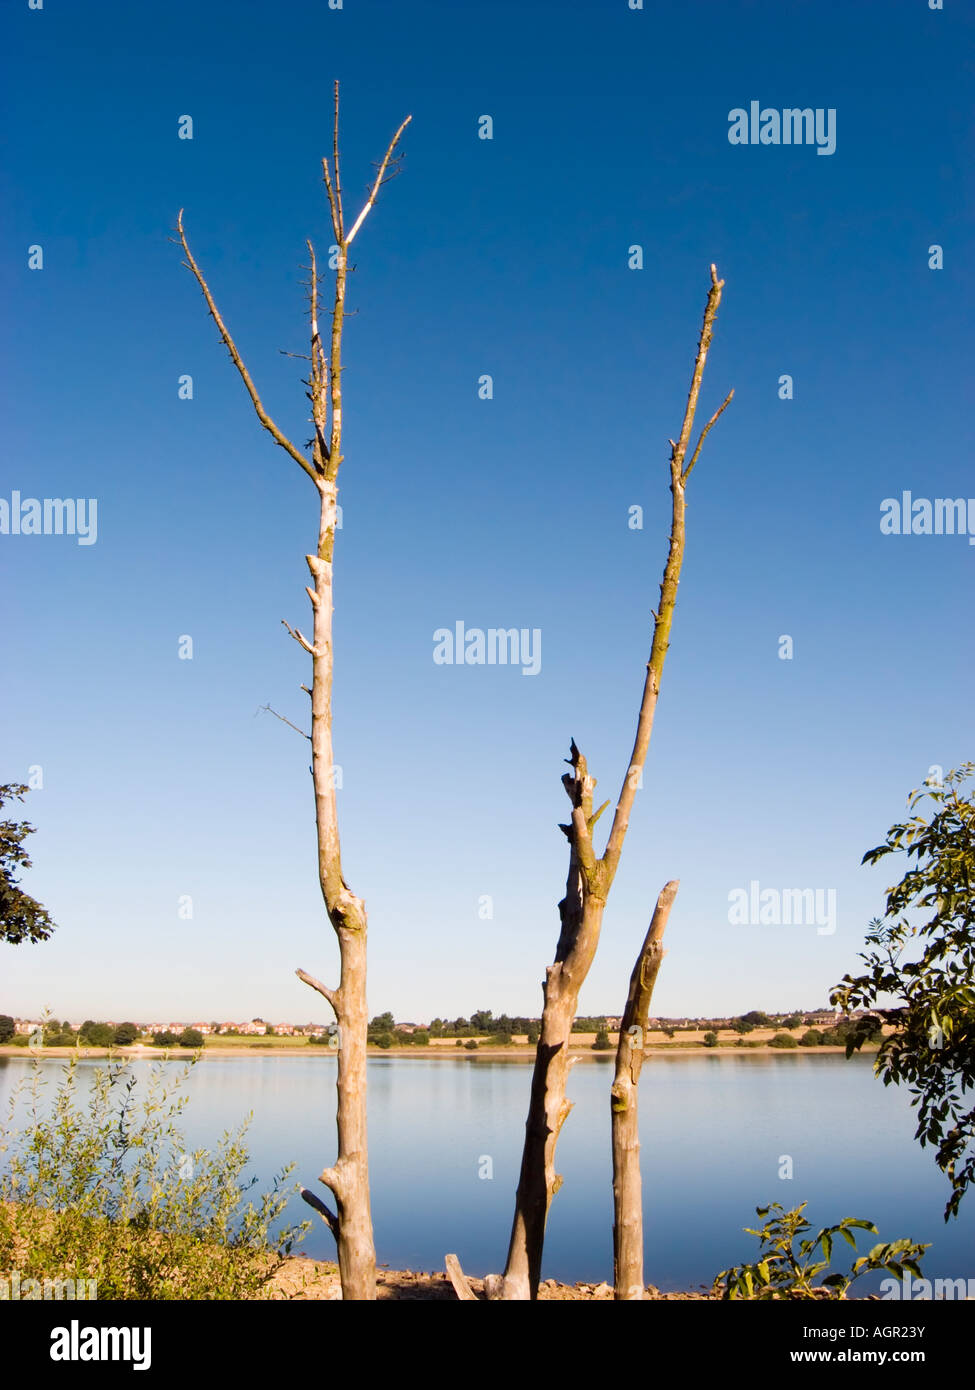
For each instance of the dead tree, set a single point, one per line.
(348, 1177)
(589, 880)
(627, 1184)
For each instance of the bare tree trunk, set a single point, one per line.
(627, 1185)
(348, 1177)
(589, 882)
(581, 912)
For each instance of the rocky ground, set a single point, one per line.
(311, 1279)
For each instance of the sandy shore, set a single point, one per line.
(300, 1279)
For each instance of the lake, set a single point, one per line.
(714, 1131)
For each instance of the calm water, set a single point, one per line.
(713, 1130)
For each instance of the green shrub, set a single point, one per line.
(843, 1032)
(781, 1272)
(602, 1043)
(783, 1040)
(812, 1037)
(96, 1034)
(191, 1037)
(710, 1039)
(99, 1186)
(471, 1044)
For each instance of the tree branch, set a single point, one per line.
(647, 965)
(335, 156)
(318, 385)
(284, 721)
(235, 356)
(324, 1211)
(336, 229)
(579, 786)
(457, 1277)
(378, 181)
(663, 618)
(330, 1177)
(296, 634)
(332, 995)
(704, 433)
(704, 343)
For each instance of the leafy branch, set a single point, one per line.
(920, 976)
(784, 1272)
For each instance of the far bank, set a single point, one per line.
(514, 1052)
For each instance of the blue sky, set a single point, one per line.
(507, 257)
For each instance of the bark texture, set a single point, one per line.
(348, 1177)
(627, 1186)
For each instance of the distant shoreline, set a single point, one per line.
(512, 1053)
